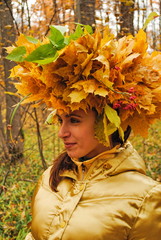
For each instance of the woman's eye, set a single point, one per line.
(60, 121)
(74, 120)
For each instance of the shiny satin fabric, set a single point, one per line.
(112, 199)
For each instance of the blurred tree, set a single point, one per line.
(85, 12)
(13, 138)
(160, 26)
(126, 17)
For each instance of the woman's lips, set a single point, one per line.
(69, 145)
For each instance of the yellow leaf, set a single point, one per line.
(112, 116)
(22, 41)
(10, 49)
(51, 117)
(105, 124)
(102, 74)
(135, 121)
(140, 44)
(81, 105)
(78, 85)
(151, 16)
(121, 133)
(57, 103)
(90, 86)
(129, 60)
(14, 94)
(102, 77)
(157, 93)
(101, 92)
(124, 48)
(8, 26)
(77, 96)
(101, 58)
(109, 128)
(99, 131)
(86, 65)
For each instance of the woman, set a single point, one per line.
(100, 88)
(93, 192)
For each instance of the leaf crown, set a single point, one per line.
(91, 70)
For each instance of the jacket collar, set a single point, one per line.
(108, 163)
(104, 155)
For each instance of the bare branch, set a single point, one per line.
(40, 142)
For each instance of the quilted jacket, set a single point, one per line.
(108, 198)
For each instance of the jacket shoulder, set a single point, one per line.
(147, 224)
(136, 183)
(44, 178)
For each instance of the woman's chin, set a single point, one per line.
(74, 154)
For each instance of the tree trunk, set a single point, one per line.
(85, 12)
(160, 24)
(14, 137)
(3, 143)
(126, 18)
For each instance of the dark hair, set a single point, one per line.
(64, 162)
(115, 138)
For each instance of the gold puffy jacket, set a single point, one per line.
(112, 199)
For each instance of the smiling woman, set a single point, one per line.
(100, 89)
(77, 133)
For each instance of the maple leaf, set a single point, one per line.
(77, 86)
(81, 105)
(101, 92)
(157, 93)
(102, 76)
(140, 44)
(57, 103)
(87, 70)
(123, 48)
(103, 73)
(129, 60)
(135, 122)
(77, 96)
(87, 65)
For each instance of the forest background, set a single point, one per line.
(27, 144)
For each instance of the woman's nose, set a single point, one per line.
(63, 131)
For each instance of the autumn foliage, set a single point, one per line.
(92, 70)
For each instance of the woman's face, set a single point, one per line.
(77, 132)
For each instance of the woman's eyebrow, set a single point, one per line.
(73, 115)
(70, 115)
